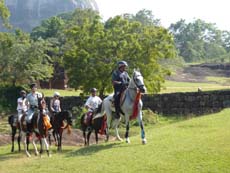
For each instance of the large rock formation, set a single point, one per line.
(26, 14)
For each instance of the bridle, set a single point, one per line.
(135, 82)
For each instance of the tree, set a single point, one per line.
(23, 60)
(198, 40)
(4, 14)
(94, 48)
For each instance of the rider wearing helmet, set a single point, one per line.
(55, 104)
(32, 100)
(92, 105)
(120, 80)
(21, 106)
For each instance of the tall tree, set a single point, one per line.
(94, 48)
(23, 60)
(197, 40)
(4, 13)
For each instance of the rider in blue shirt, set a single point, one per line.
(120, 80)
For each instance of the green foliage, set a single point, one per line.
(8, 98)
(94, 48)
(78, 112)
(199, 41)
(4, 14)
(23, 60)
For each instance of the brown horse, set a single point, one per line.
(24, 134)
(58, 126)
(14, 128)
(98, 125)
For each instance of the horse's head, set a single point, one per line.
(138, 81)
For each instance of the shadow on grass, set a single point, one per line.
(92, 149)
(10, 155)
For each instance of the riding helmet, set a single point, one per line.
(33, 85)
(56, 94)
(122, 63)
(22, 92)
(93, 90)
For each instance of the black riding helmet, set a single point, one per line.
(122, 63)
(33, 85)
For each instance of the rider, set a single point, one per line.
(92, 105)
(21, 106)
(120, 80)
(55, 104)
(32, 101)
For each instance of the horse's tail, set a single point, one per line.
(11, 119)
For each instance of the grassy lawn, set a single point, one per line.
(197, 145)
(50, 92)
(172, 86)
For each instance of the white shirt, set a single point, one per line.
(21, 104)
(93, 102)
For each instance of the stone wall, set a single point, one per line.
(196, 103)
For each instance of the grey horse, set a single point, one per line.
(128, 101)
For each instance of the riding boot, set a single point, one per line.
(117, 106)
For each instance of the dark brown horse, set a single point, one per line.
(98, 125)
(58, 126)
(14, 128)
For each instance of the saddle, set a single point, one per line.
(88, 118)
(122, 99)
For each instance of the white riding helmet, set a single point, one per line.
(56, 94)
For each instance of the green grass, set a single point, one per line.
(219, 80)
(197, 145)
(50, 92)
(172, 87)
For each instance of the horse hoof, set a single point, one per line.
(28, 155)
(36, 153)
(127, 141)
(119, 139)
(144, 141)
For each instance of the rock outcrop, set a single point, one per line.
(26, 14)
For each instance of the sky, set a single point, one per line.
(171, 11)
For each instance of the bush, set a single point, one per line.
(8, 98)
(78, 112)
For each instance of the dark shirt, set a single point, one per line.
(123, 77)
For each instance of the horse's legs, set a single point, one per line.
(88, 136)
(12, 137)
(127, 132)
(35, 146)
(49, 137)
(84, 135)
(144, 141)
(19, 140)
(44, 142)
(108, 121)
(26, 144)
(60, 144)
(115, 124)
(55, 137)
(96, 136)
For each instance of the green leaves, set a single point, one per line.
(24, 60)
(94, 48)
